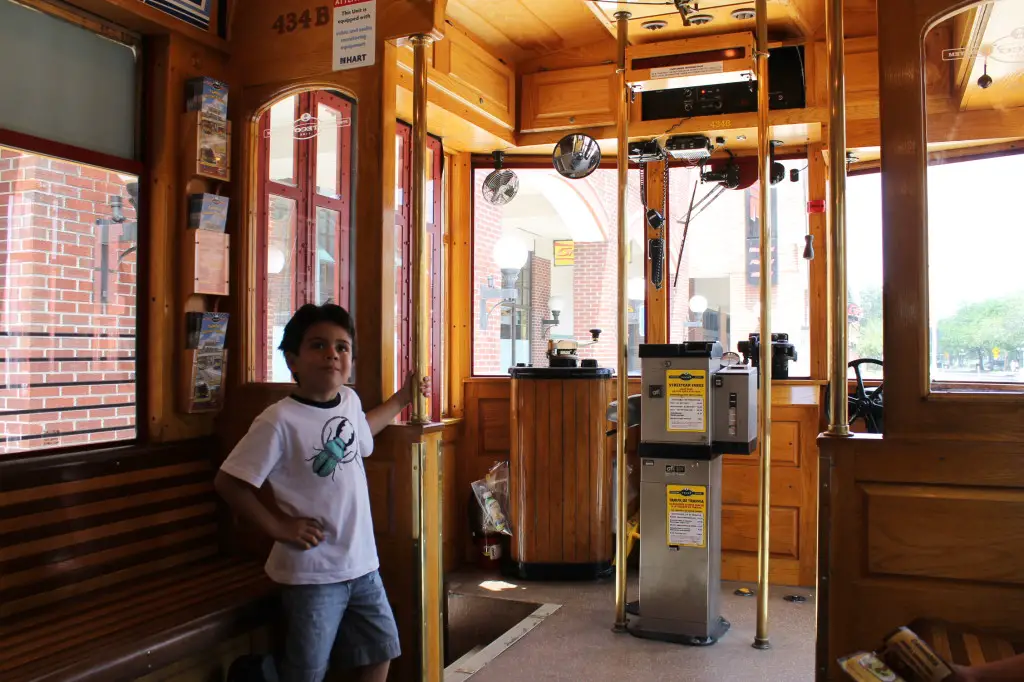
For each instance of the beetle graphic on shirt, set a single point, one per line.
(338, 447)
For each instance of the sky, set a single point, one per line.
(975, 231)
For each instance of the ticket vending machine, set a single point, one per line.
(693, 409)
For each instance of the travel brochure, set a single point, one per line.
(206, 333)
(903, 657)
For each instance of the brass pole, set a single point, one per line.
(420, 238)
(765, 388)
(622, 380)
(839, 424)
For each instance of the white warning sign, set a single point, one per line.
(687, 515)
(686, 395)
(355, 33)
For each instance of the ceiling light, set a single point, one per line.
(701, 19)
(743, 14)
(655, 25)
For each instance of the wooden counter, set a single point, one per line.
(560, 486)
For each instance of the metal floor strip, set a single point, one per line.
(471, 663)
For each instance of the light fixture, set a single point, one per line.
(744, 14)
(636, 288)
(275, 260)
(654, 25)
(701, 19)
(698, 304)
(510, 256)
(556, 304)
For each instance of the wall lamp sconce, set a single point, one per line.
(129, 235)
(510, 255)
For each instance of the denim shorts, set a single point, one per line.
(348, 625)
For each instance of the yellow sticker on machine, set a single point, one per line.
(687, 515)
(686, 394)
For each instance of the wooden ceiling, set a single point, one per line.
(528, 31)
(520, 30)
(1002, 40)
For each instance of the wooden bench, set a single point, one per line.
(963, 645)
(110, 565)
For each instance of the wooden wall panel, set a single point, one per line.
(945, 532)
(919, 528)
(485, 439)
(568, 98)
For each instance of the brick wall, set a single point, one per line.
(540, 296)
(486, 233)
(67, 360)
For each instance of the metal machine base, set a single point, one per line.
(636, 629)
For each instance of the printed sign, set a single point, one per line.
(565, 252)
(687, 515)
(684, 70)
(1009, 49)
(308, 126)
(687, 391)
(355, 28)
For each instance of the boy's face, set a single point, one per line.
(324, 361)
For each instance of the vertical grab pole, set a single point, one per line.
(421, 334)
(761, 640)
(839, 424)
(421, 254)
(622, 385)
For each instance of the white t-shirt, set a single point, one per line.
(312, 455)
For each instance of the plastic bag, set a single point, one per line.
(491, 494)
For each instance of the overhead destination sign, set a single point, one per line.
(355, 28)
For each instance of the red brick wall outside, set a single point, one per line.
(68, 361)
(540, 296)
(486, 233)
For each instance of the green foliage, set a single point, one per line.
(978, 328)
(866, 333)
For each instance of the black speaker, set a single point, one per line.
(786, 83)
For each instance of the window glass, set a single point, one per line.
(714, 264)
(280, 281)
(68, 287)
(864, 271)
(329, 128)
(65, 83)
(282, 141)
(326, 255)
(545, 268)
(976, 293)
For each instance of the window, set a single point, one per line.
(403, 259)
(864, 271)
(69, 196)
(545, 268)
(976, 294)
(976, 329)
(305, 163)
(714, 288)
(68, 287)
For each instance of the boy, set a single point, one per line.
(310, 447)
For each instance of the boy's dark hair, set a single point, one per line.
(309, 315)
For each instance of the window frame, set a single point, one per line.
(307, 200)
(438, 230)
(32, 144)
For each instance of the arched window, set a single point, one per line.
(305, 202)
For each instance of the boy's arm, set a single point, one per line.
(241, 497)
(1000, 671)
(379, 417)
